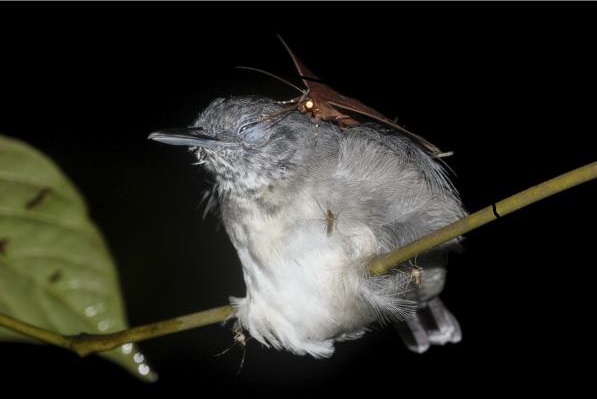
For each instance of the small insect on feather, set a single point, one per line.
(330, 222)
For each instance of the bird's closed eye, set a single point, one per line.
(246, 126)
(253, 133)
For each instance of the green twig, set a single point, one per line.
(31, 331)
(383, 264)
(84, 344)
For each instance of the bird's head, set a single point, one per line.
(247, 142)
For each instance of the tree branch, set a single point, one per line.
(32, 331)
(383, 264)
(84, 344)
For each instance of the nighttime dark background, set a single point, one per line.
(510, 89)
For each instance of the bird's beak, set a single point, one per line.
(190, 136)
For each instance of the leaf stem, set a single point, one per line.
(85, 344)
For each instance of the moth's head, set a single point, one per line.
(244, 141)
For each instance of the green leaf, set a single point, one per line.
(55, 269)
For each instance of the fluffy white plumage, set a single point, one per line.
(307, 288)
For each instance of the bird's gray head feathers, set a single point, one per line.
(247, 142)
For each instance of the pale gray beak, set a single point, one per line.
(191, 137)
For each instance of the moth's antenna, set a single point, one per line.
(271, 75)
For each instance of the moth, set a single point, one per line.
(323, 103)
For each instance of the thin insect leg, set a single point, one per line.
(239, 340)
(296, 105)
(319, 205)
(242, 340)
(242, 361)
(226, 350)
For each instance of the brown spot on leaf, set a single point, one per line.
(38, 199)
(55, 277)
(3, 245)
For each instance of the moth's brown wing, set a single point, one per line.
(358, 107)
(320, 93)
(327, 100)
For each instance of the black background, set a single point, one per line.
(509, 88)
